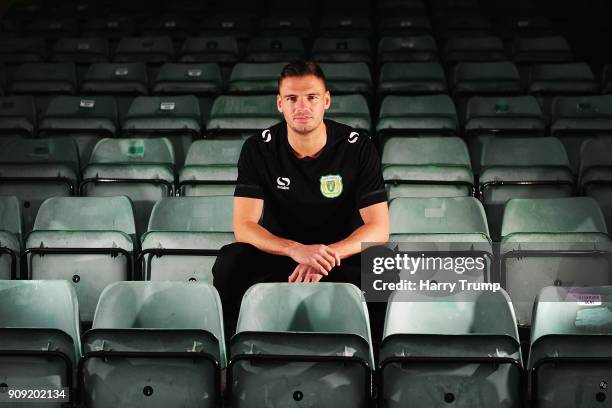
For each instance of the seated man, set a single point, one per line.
(319, 186)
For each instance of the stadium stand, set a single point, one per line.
(417, 78)
(11, 237)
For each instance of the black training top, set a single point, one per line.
(312, 200)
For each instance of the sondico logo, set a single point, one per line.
(353, 137)
(266, 135)
(283, 183)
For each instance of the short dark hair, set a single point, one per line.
(299, 68)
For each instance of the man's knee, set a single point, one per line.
(232, 260)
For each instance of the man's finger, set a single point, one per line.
(294, 274)
(329, 257)
(319, 265)
(334, 255)
(324, 262)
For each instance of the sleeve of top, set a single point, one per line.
(371, 188)
(249, 180)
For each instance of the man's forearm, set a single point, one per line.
(352, 244)
(256, 235)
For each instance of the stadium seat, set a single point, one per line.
(81, 50)
(408, 7)
(184, 237)
(521, 167)
(352, 110)
(37, 169)
(551, 241)
(148, 346)
(447, 227)
(459, 349)
(232, 25)
(40, 344)
(86, 120)
(176, 117)
(403, 25)
(11, 236)
(192, 79)
(473, 49)
(338, 49)
(222, 50)
(569, 354)
(175, 26)
(415, 78)
(595, 177)
(576, 119)
(141, 169)
(52, 29)
(43, 81)
(88, 241)
(301, 343)
(454, 6)
(417, 115)
(22, 50)
(427, 167)
(150, 50)
(112, 28)
(274, 49)
(211, 168)
(255, 78)
(541, 50)
(606, 77)
(524, 26)
(345, 26)
(485, 78)
(347, 78)
(449, 25)
(242, 115)
(285, 25)
(17, 116)
(418, 48)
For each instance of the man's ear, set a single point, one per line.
(327, 100)
(279, 103)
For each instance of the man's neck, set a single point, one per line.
(308, 144)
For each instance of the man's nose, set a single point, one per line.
(301, 103)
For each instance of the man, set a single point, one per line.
(319, 186)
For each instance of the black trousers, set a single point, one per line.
(239, 266)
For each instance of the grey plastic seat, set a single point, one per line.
(36, 169)
(176, 117)
(86, 120)
(211, 167)
(473, 49)
(87, 241)
(81, 50)
(22, 50)
(192, 79)
(150, 50)
(454, 349)
(274, 49)
(485, 78)
(552, 241)
(255, 78)
(184, 237)
(577, 119)
(222, 50)
(395, 25)
(338, 49)
(11, 237)
(347, 78)
(595, 175)
(166, 343)
(342, 25)
(301, 343)
(570, 346)
(416, 115)
(40, 325)
(17, 116)
(141, 169)
(522, 167)
(538, 50)
(241, 115)
(351, 110)
(415, 78)
(418, 48)
(427, 167)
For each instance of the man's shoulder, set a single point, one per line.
(347, 136)
(266, 138)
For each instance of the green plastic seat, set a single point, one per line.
(193, 79)
(427, 167)
(526, 26)
(211, 167)
(44, 79)
(166, 342)
(570, 346)
(116, 78)
(221, 50)
(455, 349)
(473, 49)
(485, 78)
(394, 25)
(339, 49)
(40, 322)
(87, 241)
(242, 115)
(347, 78)
(344, 26)
(174, 25)
(541, 49)
(415, 78)
(11, 236)
(351, 110)
(85, 119)
(51, 28)
(17, 116)
(595, 175)
(301, 342)
(606, 79)
(562, 79)
(274, 49)
(461, 25)
(522, 167)
(81, 50)
(391, 7)
(37, 169)
(179, 225)
(285, 24)
(255, 78)
(22, 50)
(433, 114)
(141, 169)
(112, 28)
(226, 25)
(150, 50)
(416, 48)
(557, 228)
(176, 117)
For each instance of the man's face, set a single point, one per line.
(303, 101)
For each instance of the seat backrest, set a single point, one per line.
(193, 214)
(189, 78)
(164, 113)
(243, 112)
(10, 215)
(18, 114)
(133, 151)
(426, 151)
(214, 152)
(57, 150)
(76, 114)
(524, 152)
(116, 78)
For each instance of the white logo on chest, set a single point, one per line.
(283, 183)
(353, 137)
(266, 135)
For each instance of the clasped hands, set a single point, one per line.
(314, 262)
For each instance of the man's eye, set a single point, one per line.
(292, 99)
